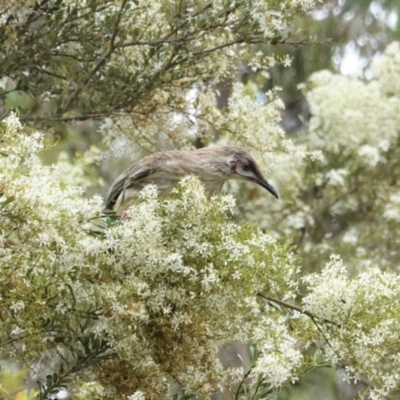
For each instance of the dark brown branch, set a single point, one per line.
(84, 117)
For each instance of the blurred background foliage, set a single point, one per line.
(69, 96)
(13, 382)
(343, 36)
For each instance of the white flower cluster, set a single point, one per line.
(276, 364)
(364, 315)
(271, 18)
(387, 70)
(348, 113)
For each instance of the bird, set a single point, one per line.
(213, 165)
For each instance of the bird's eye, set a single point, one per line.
(246, 167)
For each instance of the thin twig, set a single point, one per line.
(65, 119)
(241, 383)
(4, 114)
(323, 334)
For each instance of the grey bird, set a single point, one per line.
(213, 165)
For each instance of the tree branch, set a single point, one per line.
(100, 63)
(295, 308)
(241, 384)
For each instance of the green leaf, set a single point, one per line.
(8, 200)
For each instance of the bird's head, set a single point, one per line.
(243, 167)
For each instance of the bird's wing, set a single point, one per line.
(133, 175)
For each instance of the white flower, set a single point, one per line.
(351, 236)
(369, 154)
(336, 177)
(17, 306)
(137, 396)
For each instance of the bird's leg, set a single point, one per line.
(125, 215)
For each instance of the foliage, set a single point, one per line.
(130, 310)
(136, 303)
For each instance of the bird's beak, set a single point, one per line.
(264, 183)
